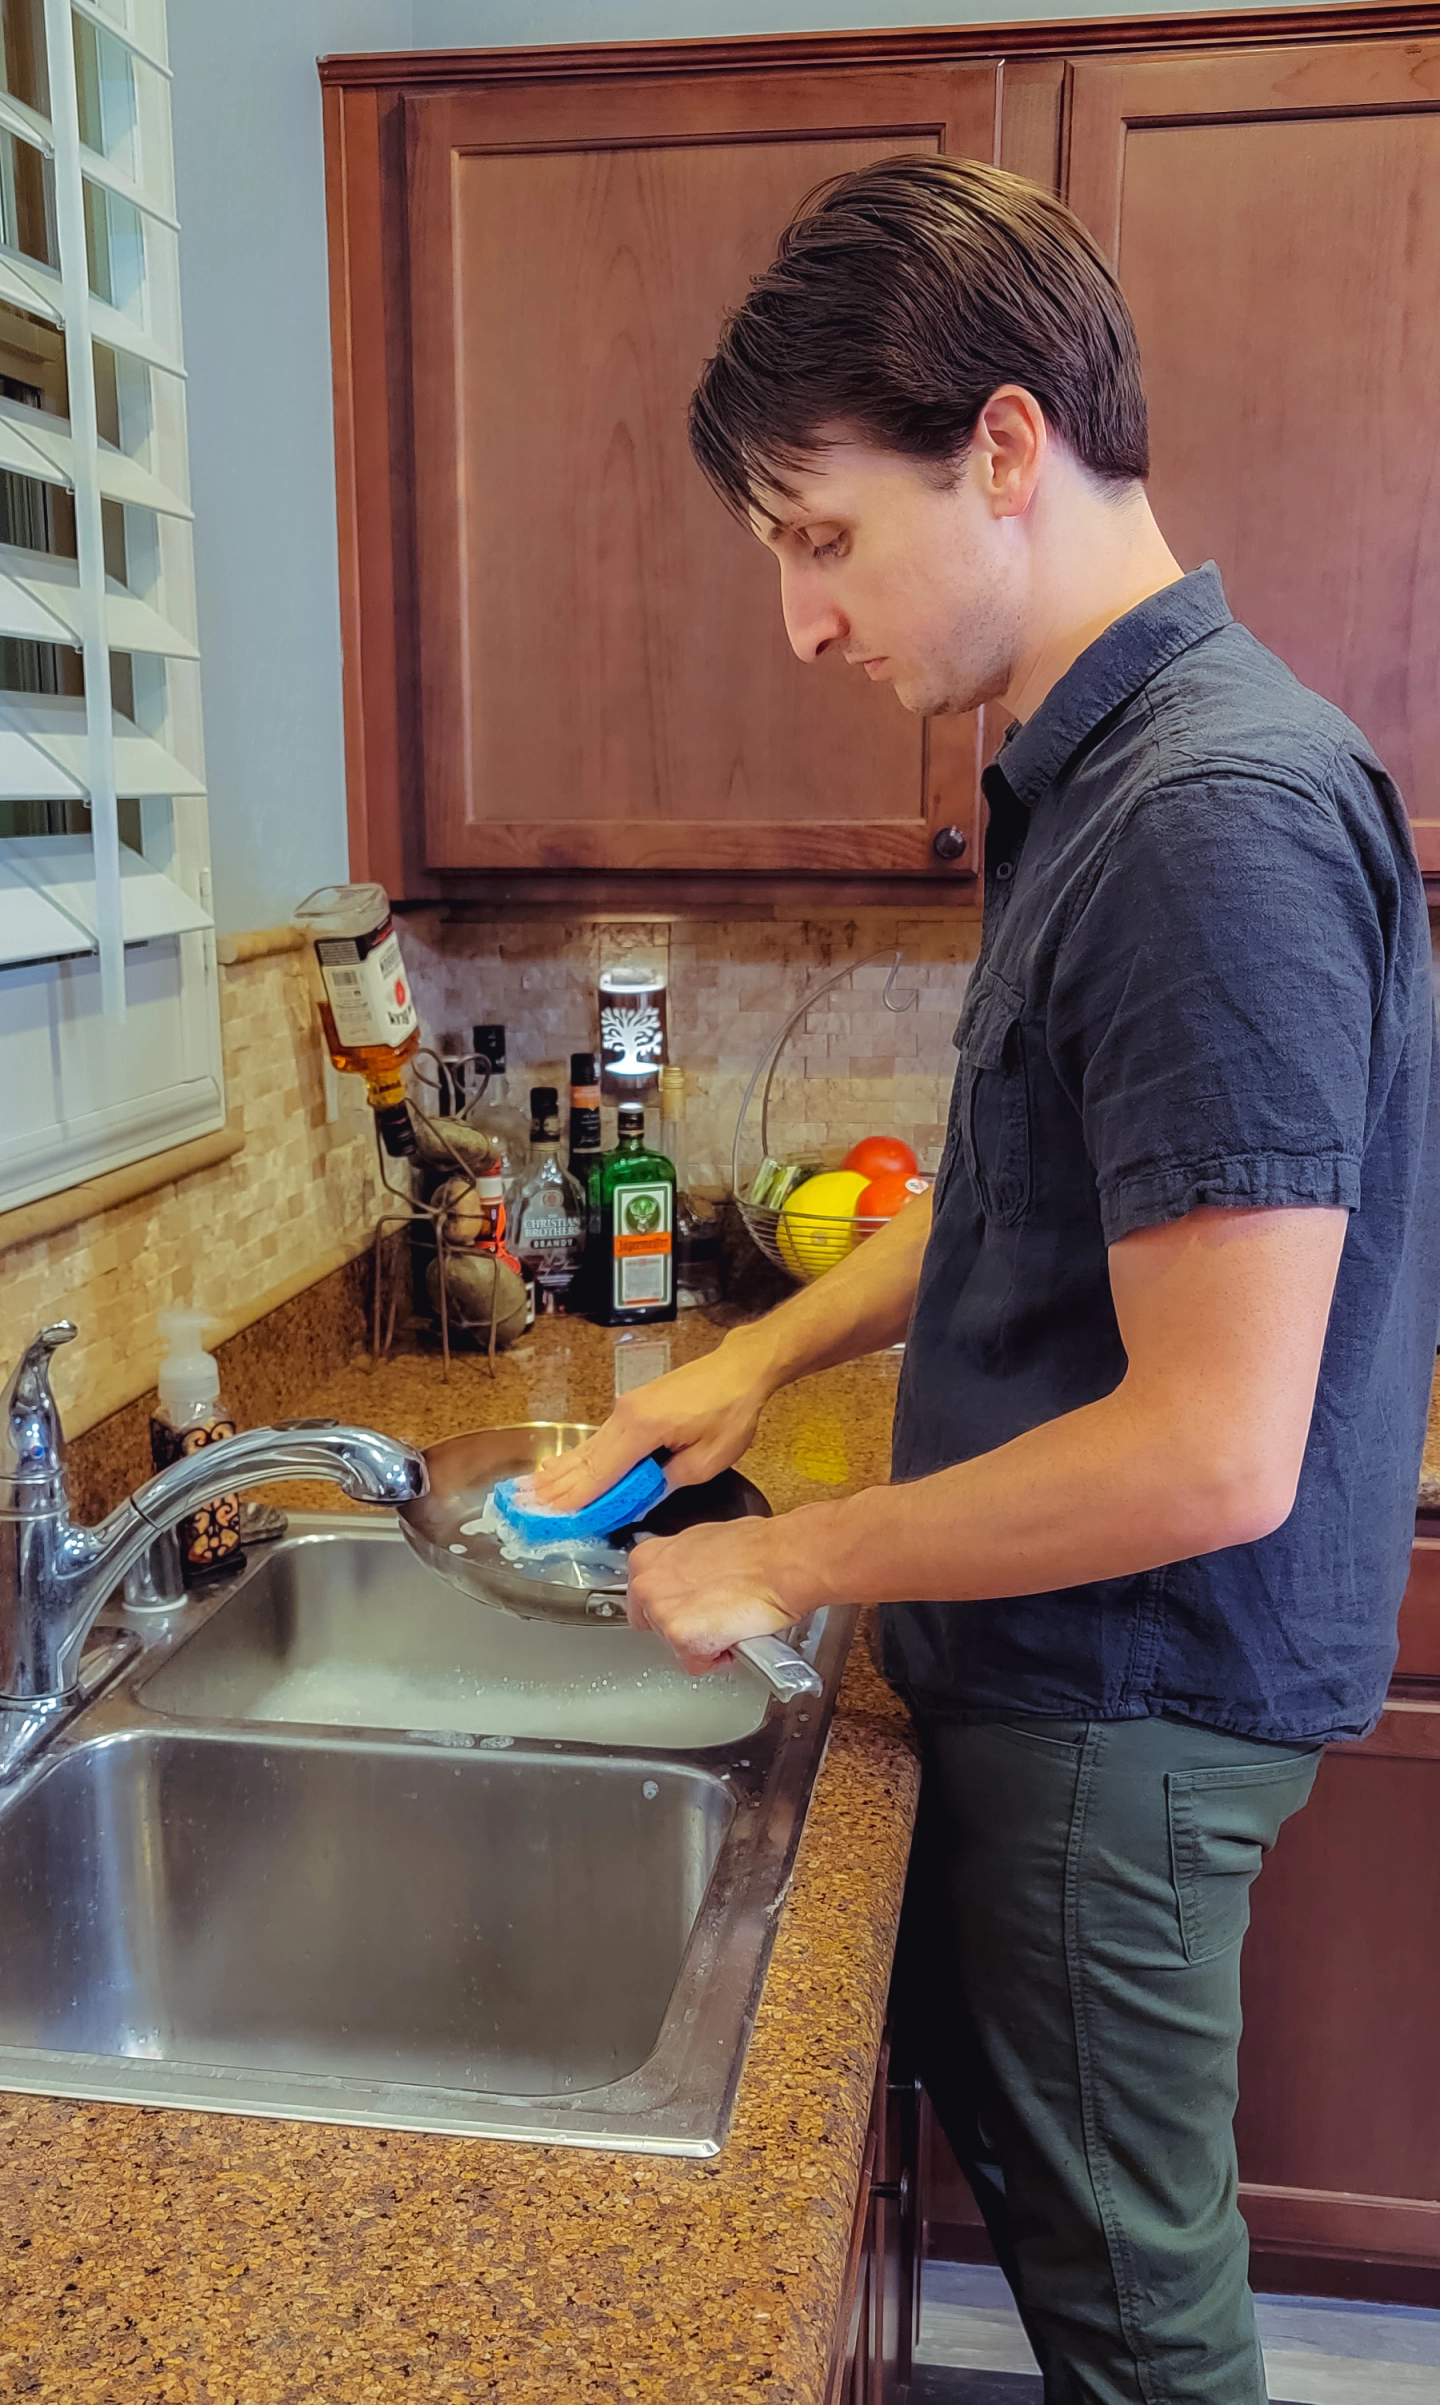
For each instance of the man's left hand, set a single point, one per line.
(727, 1579)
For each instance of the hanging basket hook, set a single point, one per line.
(908, 998)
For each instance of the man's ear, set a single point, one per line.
(1008, 449)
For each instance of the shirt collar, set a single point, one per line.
(1110, 672)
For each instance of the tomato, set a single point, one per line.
(874, 1154)
(887, 1194)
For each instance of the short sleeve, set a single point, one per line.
(1213, 1004)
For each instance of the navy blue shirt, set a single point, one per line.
(1205, 979)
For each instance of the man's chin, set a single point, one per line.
(924, 701)
(930, 698)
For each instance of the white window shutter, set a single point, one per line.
(109, 1018)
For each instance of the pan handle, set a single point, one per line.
(785, 1672)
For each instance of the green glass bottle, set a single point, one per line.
(635, 1251)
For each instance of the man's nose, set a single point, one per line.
(813, 621)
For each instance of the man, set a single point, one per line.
(1171, 1312)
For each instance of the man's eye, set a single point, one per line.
(834, 549)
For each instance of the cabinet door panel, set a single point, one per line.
(1420, 1614)
(1276, 221)
(604, 675)
(1339, 2119)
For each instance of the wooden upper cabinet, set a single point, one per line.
(600, 677)
(1275, 216)
(565, 665)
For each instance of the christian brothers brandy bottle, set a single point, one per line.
(550, 1215)
(367, 1010)
(636, 1251)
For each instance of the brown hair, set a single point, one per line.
(901, 297)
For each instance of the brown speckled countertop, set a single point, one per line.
(197, 2259)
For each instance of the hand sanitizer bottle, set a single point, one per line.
(188, 1416)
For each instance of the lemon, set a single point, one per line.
(815, 1228)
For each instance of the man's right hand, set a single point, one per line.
(704, 1414)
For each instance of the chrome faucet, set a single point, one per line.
(54, 1576)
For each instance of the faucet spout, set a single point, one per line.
(368, 1467)
(55, 1575)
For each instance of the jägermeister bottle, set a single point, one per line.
(636, 1249)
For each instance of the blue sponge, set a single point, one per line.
(627, 1501)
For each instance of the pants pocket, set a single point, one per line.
(1049, 1739)
(1222, 1825)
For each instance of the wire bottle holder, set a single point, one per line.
(815, 1239)
(446, 1074)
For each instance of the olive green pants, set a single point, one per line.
(1068, 1988)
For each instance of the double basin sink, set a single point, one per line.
(336, 1843)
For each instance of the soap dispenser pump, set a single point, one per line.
(188, 1416)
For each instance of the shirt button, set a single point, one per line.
(1004, 871)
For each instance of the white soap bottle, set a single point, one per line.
(188, 1416)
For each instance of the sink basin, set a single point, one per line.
(351, 1630)
(337, 1844)
(363, 1912)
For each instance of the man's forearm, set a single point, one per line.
(860, 1305)
(1103, 1492)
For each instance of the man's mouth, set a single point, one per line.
(872, 665)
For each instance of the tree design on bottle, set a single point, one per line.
(631, 1038)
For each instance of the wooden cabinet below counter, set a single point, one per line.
(879, 2317)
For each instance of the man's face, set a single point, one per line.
(905, 571)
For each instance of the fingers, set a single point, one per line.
(704, 1414)
(568, 1481)
(704, 1591)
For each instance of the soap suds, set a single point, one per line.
(606, 1561)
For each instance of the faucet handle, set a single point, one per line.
(32, 1440)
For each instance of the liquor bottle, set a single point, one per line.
(367, 1011)
(587, 1152)
(585, 1144)
(550, 1216)
(493, 1112)
(698, 1275)
(635, 1254)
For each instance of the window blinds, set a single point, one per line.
(104, 864)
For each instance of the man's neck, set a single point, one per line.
(1096, 559)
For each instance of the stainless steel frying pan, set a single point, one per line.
(443, 1527)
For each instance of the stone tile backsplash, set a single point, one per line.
(853, 1067)
(300, 1196)
(303, 1193)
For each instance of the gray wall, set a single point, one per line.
(251, 199)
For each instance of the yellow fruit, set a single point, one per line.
(815, 1228)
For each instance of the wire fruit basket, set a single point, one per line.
(803, 1244)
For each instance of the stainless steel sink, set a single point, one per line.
(352, 1630)
(430, 1924)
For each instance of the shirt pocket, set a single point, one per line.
(1222, 1825)
(990, 1115)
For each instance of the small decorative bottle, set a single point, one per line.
(368, 1011)
(636, 1253)
(550, 1218)
(189, 1416)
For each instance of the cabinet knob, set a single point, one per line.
(949, 843)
